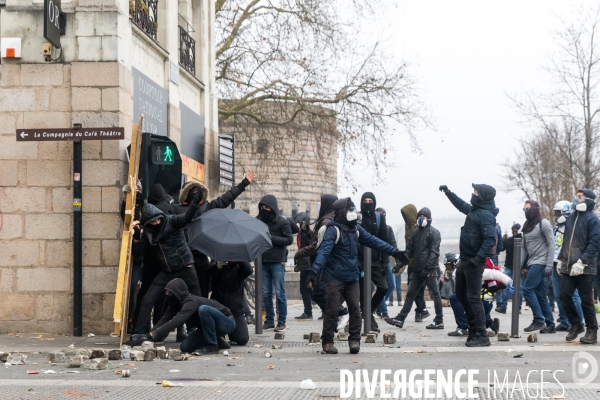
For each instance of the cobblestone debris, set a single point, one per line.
(370, 338)
(314, 337)
(389, 338)
(56, 357)
(115, 354)
(279, 335)
(532, 338)
(503, 337)
(343, 335)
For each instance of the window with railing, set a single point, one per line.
(145, 15)
(187, 51)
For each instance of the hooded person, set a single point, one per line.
(424, 250)
(539, 246)
(338, 259)
(274, 260)
(577, 264)
(409, 214)
(188, 191)
(160, 199)
(375, 224)
(382, 310)
(163, 238)
(302, 265)
(477, 238)
(509, 245)
(212, 320)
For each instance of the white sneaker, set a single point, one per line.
(389, 303)
(342, 322)
(395, 303)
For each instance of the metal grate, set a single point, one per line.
(146, 16)
(187, 51)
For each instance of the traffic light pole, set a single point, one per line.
(77, 239)
(233, 141)
(145, 166)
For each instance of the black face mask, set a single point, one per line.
(171, 299)
(475, 200)
(266, 216)
(155, 228)
(368, 208)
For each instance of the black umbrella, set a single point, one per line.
(229, 235)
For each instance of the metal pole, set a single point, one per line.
(233, 173)
(367, 290)
(77, 239)
(516, 303)
(145, 166)
(258, 298)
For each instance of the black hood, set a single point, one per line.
(425, 211)
(151, 213)
(157, 193)
(486, 192)
(370, 195)
(179, 289)
(271, 201)
(590, 195)
(368, 210)
(327, 201)
(304, 217)
(341, 209)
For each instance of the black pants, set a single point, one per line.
(585, 285)
(337, 292)
(157, 288)
(420, 297)
(149, 272)
(418, 284)
(240, 333)
(468, 289)
(306, 292)
(201, 265)
(319, 292)
(379, 279)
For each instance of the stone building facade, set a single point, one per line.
(110, 59)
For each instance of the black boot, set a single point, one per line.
(354, 346)
(478, 341)
(591, 337)
(549, 328)
(574, 331)
(181, 334)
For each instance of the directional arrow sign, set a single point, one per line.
(24, 135)
(42, 134)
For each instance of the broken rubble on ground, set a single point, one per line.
(147, 345)
(137, 355)
(503, 337)
(161, 352)
(279, 335)
(370, 338)
(16, 359)
(56, 356)
(98, 353)
(115, 354)
(343, 336)
(314, 337)
(149, 355)
(77, 361)
(389, 338)
(97, 364)
(532, 338)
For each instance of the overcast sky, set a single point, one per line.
(468, 55)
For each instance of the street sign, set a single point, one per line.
(43, 135)
(52, 24)
(162, 153)
(227, 160)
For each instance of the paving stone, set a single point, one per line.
(503, 337)
(150, 355)
(161, 352)
(314, 337)
(389, 338)
(370, 338)
(137, 355)
(532, 338)
(98, 353)
(115, 354)
(147, 345)
(56, 356)
(279, 335)
(17, 358)
(343, 336)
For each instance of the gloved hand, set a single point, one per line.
(444, 189)
(558, 266)
(476, 261)
(126, 189)
(547, 271)
(311, 280)
(424, 273)
(198, 196)
(577, 268)
(400, 255)
(137, 232)
(511, 289)
(139, 186)
(138, 338)
(398, 267)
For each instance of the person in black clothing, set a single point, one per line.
(303, 264)
(379, 261)
(212, 319)
(509, 245)
(424, 250)
(382, 310)
(477, 238)
(227, 283)
(188, 191)
(163, 237)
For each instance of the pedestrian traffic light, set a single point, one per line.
(162, 153)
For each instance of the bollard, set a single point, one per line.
(367, 294)
(514, 329)
(258, 298)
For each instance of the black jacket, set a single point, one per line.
(183, 310)
(280, 230)
(227, 284)
(424, 245)
(326, 215)
(169, 243)
(223, 201)
(392, 240)
(581, 238)
(160, 199)
(304, 239)
(478, 234)
(509, 246)
(369, 224)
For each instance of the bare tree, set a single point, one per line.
(308, 57)
(561, 155)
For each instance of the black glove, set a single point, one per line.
(476, 261)
(311, 280)
(400, 255)
(424, 273)
(138, 338)
(444, 189)
(137, 232)
(547, 271)
(198, 195)
(398, 267)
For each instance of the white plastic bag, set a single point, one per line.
(308, 384)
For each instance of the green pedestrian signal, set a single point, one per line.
(162, 153)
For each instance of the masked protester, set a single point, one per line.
(302, 264)
(382, 310)
(538, 240)
(212, 320)
(577, 266)
(375, 224)
(424, 249)
(274, 260)
(338, 258)
(562, 210)
(163, 236)
(509, 245)
(477, 238)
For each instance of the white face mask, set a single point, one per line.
(581, 207)
(351, 216)
(561, 220)
(422, 222)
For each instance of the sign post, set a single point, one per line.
(75, 134)
(227, 161)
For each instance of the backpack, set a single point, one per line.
(321, 233)
(492, 285)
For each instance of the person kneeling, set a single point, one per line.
(212, 320)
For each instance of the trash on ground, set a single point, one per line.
(271, 366)
(67, 372)
(33, 371)
(276, 346)
(91, 335)
(308, 384)
(258, 345)
(49, 371)
(170, 384)
(268, 354)
(421, 351)
(71, 346)
(518, 355)
(225, 353)
(126, 373)
(174, 370)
